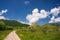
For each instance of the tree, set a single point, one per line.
(2, 23)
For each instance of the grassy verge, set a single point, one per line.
(3, 34)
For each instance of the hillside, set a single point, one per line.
(11, 24)
(35, 32)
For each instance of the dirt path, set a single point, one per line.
(12, 36)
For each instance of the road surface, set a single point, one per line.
(12, 36)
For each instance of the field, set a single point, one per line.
(39, 34)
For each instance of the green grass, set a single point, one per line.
(34, 33)
(3, 34)
(38, 34)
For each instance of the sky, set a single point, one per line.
(40, 11)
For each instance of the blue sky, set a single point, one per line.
(19, 9)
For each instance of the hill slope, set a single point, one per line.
(11, 24)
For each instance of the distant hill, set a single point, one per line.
(55, 24)
(52, 24)
(11, 24)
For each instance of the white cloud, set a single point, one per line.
(35, 10)
(2, 17)
(57, 19)
(55, 11)
(36, 15)
(26, 2)
(54, 20)
(43, 14)
(3, 11)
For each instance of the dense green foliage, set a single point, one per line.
(26, 32)
(10, 24)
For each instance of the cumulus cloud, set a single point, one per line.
(26, 2)
(43, 14)
(55, 11)
(36, 15)
(54, 20)
(2, 17)
(3, 11)
(57, 19)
